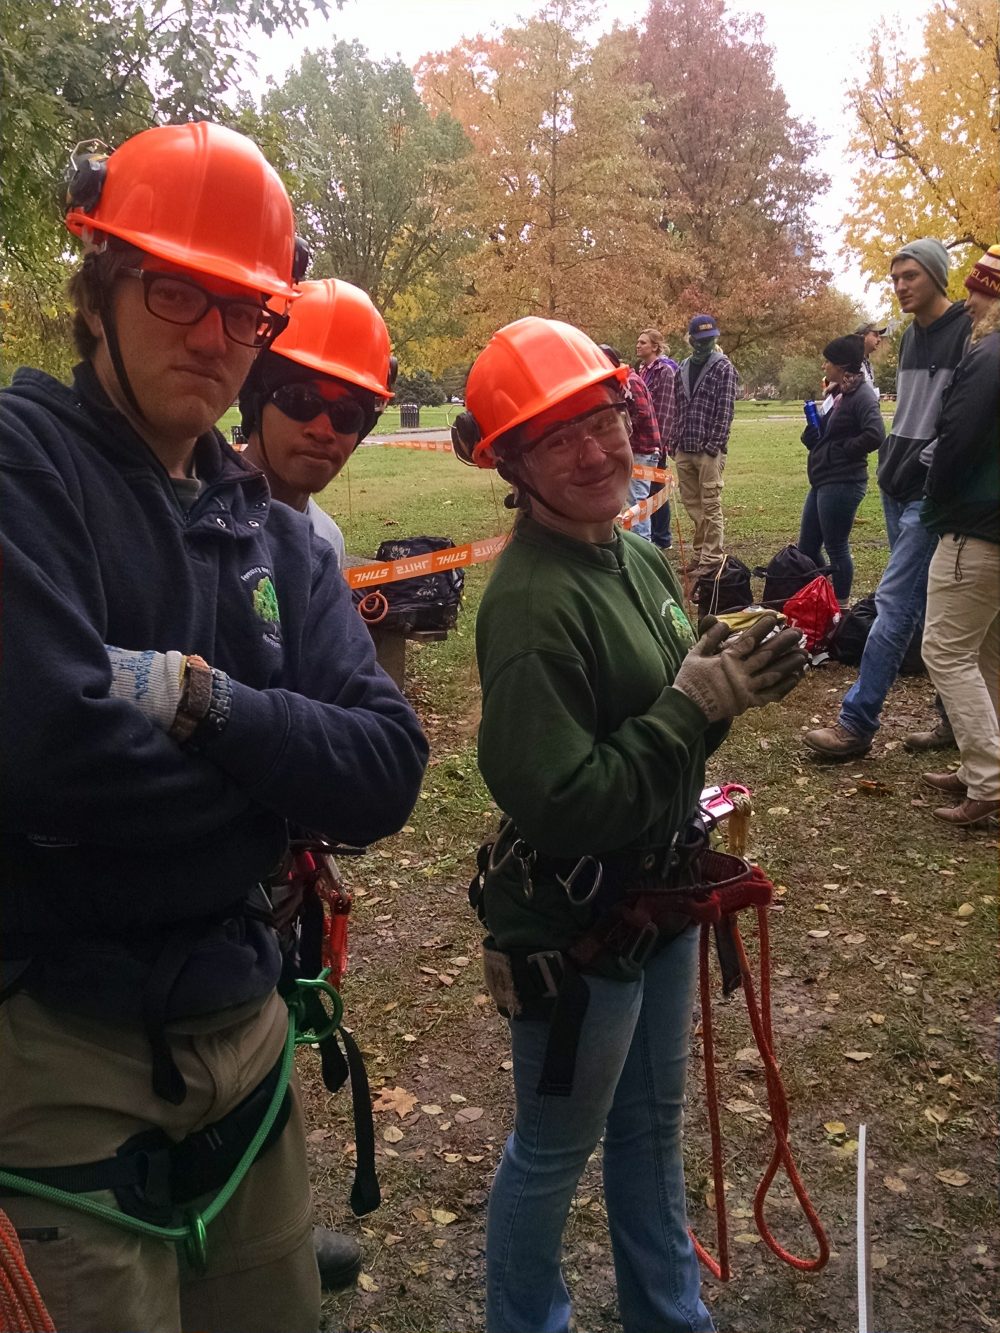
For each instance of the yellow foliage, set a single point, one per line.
(928, 137)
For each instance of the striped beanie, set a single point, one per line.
(985, 275)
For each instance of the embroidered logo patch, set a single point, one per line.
(679, 620)
(264, 600)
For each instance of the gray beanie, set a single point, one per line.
(931, 255)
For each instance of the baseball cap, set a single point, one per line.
(703, 326)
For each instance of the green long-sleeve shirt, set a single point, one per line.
(583, 742)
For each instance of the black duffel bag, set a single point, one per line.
(425, 602)
(728, 589)
(848, 640)
(785, 574)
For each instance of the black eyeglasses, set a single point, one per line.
(304, 402)
(180, 301)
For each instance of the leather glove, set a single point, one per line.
(725, 674)
(153, 682)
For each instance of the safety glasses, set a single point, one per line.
(178, 300)
(304, 402)
(607, 426)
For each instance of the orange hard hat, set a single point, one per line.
(335, 329)
(198, 195)
(526, 368)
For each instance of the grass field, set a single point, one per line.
(884, 984)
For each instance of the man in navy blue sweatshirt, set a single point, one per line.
(930, 351)
(183, 678)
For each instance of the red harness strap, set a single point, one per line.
(752, 889)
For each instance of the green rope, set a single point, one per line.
(192, 1236)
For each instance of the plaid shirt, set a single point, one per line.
(645, 431)
(658, 377)
(702, 421)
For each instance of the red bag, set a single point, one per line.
(814, 610)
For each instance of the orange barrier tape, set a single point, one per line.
(643, 508)
(444, 447)
(452, 557)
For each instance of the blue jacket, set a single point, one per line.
(112, 836)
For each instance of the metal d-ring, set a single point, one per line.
(525, 857)
(496, 862)
(569, 880)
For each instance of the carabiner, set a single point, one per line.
(495, 862)
(196, 1241)
(525, 857)
(320, 986)
(575, 873)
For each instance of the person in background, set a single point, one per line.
(929, 353)
(645, 437)
(872, 337)
(599, 709)
(188, 677)
(704, 404)
(838, 463)
(658, 371)
(309, 400)
(315, 394)
(961, 644)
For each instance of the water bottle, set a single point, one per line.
(812, 413)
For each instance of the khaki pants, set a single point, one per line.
(699, 477)
(961, 648)
(73, 1092)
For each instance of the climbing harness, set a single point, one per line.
(152, 1177)
(641, 901)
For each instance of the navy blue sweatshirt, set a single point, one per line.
(108, 828)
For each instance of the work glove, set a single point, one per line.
(811, 436)
(153, 682)
(724, 674)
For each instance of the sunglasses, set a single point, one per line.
(177, 300)
(304, 402)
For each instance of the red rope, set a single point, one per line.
(22, 1309)
(760, 1022)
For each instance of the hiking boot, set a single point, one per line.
(970, 812)
(837, 742)
(338, 1258)
(939, 737)
(946, 782)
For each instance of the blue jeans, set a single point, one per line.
(900, 601)
(660, 521)
(628, 1085)
(638, 489)
(827, 519)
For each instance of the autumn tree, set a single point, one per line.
(380, 185)
(927, 139)
(562, 196)
(733, 171)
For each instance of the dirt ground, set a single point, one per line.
(884, 998)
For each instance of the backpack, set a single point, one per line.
(815, 611)
(425, 602)
(848, 640)
(784, 574)
(728, 589)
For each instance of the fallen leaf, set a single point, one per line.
(952, 1177)
(895, 1184)
(855, 939)
(442, 1217)
(937, 1115)
(818, 934)
(392, 1134)
(965, 910)
(453, 1157)
(946, 1080)
(391, 1240)
(469, 1113)
(366, 1282)
(456, 1097)
(431, 1109)
(747, 1238)
(473, 1157)
(830, 887)
(821, 907)
(857, 1056)
(878, 1260)
(395, 1099)
(835, 1127)
(777, 810)
(876, 1019)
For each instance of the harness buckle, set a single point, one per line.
(642, 946)
(569, 880)
(543, 962)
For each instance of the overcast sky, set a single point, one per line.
(818, 48)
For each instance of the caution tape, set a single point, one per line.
(642, 509)
(452, 557)
(444, 447)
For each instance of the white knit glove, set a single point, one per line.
(149, 680)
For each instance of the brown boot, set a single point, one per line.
(968, 813)
(939, 737)
(837, 742)
(946, 782)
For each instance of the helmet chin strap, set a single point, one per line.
(511, 476)
(115, 351)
